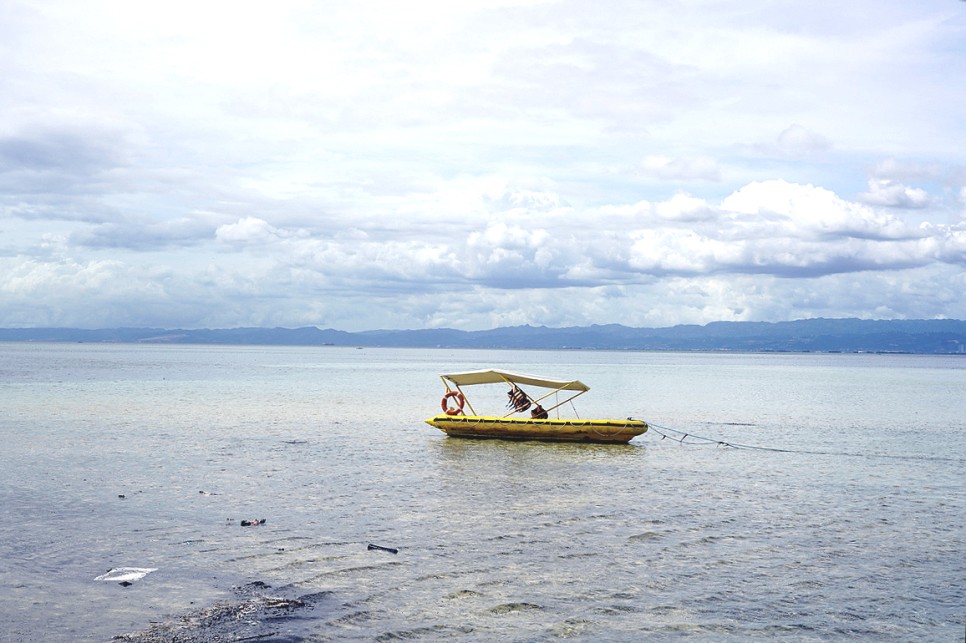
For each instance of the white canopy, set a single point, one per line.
(496, 377)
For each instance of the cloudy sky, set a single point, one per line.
(474, 164)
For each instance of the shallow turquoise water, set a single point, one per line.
(854, 530)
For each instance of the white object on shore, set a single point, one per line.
(126, 574)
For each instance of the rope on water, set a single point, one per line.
(657, 428)
(681, 436)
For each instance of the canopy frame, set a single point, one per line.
(493, 376)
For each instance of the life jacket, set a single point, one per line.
(518, 399)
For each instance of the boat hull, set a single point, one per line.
(552, 430)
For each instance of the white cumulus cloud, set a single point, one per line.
(363, 165)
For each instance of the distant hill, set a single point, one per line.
(938, 336)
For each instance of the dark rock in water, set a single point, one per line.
(253, 616)
(274, 603)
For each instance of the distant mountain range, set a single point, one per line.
(938, 336)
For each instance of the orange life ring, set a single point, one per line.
(459, 403)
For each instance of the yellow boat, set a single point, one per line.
(518, 424)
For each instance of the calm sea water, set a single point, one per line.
(855, 530)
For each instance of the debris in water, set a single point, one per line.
(380, 548)
(126, 575)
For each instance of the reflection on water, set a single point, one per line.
(495, 540)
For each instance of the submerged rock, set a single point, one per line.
(255, 617)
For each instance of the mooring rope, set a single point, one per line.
(698, 440)
(657, 428)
